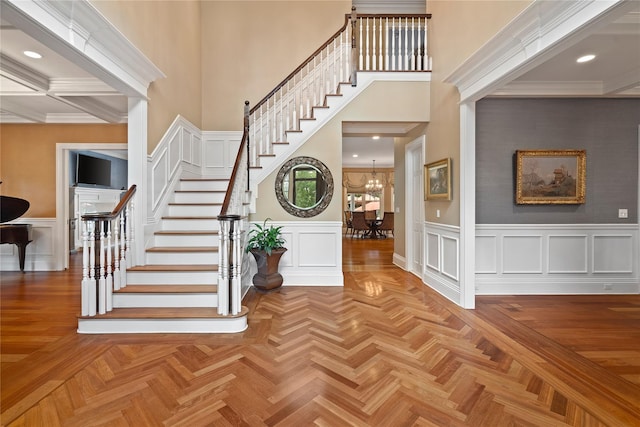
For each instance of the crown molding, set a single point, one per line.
(17, 72)
(80, 33)
(541, 31)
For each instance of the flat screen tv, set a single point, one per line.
(93, 171)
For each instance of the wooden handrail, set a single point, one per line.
(116, 211)
(236, 165)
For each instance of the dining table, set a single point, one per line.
(374, 232)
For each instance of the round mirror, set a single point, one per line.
(304, 186)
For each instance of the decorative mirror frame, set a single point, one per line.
(320, 206)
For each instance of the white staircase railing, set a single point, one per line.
(107, 242)
(370, 43)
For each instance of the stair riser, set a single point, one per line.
(172, 277)
(178, 240)
(194, 210)
(181, 258)
(165, 300)
(203, 185)
(142, 326)
(190, 224)
(195, 197)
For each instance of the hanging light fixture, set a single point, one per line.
(374, 186)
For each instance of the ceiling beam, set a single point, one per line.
(17, 110)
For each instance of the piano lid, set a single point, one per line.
(12, 208)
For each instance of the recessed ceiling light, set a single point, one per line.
(375, 137)
(585, 58)
(32, 54)
(355, 155)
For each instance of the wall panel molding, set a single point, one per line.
(441, 262)
(40, 254)
(314, 253)
(575, 259)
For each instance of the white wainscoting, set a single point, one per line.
(514, 259)
(40, 253)
(314, 253)
(442, 259)
(185, 150)
(219, 151)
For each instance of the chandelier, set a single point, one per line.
(374, 186)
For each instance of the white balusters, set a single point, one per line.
(86, 282)
(102, 282)
(116, 255)
(109, 272)
(92, 294)
(123, 253)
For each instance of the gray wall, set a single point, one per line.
(606, 128)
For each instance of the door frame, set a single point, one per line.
(62, 191)
(410, 151)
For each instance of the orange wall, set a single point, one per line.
(28, 159)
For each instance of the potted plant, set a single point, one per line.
(265, 243)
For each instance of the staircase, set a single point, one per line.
(175, 291)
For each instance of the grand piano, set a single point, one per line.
(17, 234)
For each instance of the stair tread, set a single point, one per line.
(182, 249)
(163, 289)
(165, 313)
(186, 232)
(174, 267)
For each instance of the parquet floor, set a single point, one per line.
(382, 351)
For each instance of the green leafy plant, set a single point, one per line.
(265, 238)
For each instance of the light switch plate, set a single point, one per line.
(623, 213)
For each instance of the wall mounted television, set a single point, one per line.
(93, 171)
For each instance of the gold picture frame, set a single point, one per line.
(550, 177)
(437, 180)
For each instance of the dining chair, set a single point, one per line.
(348, 221)
(386, 225)
(359, 223)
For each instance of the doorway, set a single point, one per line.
(414, 220)
(63, 184)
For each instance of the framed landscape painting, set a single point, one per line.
(437, 180)
(545, 177)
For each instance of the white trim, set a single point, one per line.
(399, 261)
(409, 195)
(542, 30)
(80, 33)
(467, 174)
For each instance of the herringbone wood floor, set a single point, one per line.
(382, 351)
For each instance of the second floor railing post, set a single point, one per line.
(354, 47)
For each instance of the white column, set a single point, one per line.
(137, 170)
(467, 204)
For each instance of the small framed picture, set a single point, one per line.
(437, 180)
(545, 177)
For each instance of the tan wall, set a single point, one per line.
(248, 47)
(32, 175)
(404, 101)
(456, 30)
(168, 33)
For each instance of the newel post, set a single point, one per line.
(354, 47)
(230, 260)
